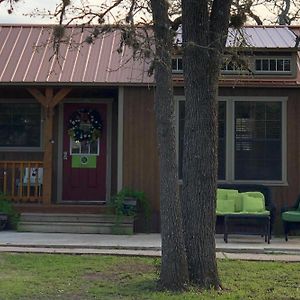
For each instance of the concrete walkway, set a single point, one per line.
(238, 247)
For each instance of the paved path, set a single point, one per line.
(238, 247)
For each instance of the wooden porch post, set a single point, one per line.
(48, 100)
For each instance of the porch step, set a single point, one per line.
(74, 223)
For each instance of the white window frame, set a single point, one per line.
(89, 146)
(177, 70)
(230, 142)
(290, 58)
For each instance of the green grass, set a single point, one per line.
(36, 276)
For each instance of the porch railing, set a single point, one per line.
(22, 181)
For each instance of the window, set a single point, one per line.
(234, 67)
(273, 65)
(20, 125)
(258, 140)
(251, 143)
(222, 140)
(177, 65)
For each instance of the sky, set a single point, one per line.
(23, 7)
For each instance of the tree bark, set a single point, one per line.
(204, 35)
(173, 275)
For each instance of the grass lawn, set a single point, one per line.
(36, 276)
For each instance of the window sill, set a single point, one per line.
(268, 183)
(21, 149)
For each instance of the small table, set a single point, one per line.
(234, 223)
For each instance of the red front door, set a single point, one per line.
(84, 160)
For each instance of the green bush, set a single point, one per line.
(7, 208)
(117, 203)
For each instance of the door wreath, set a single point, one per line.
(85, 125)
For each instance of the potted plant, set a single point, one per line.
(128, 203)
(9, 218)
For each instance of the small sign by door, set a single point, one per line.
(84, 161)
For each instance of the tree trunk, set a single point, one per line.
(173, 275)
(204, 35)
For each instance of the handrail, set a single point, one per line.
(22, 181)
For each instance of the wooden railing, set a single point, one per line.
(22, 181)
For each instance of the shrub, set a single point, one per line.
(7, 208)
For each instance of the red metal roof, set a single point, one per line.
(25, 57)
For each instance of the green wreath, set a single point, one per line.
(88, 116)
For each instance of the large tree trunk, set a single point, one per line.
(204, 38)
(173, 274)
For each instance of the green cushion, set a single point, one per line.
(225, 193)
(259, 213)
(252, 204)
(221, 194)
(242, 213)
(291, 216)
(238, 202)
(225, 206)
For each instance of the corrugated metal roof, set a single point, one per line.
(262, 37)
(25, 57)
(258, 37)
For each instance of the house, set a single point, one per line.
(74, 131)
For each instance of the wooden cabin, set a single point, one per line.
(77, 129)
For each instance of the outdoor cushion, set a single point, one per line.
(221, 194)
(253, 204)
(258, 213)
(225, 193)
(291, 216)
(238, 204)
(225, 206)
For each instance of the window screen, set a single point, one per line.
(258, 140)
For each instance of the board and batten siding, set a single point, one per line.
(140, 162)
(140, 153)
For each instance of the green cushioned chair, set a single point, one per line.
(291, 218)
(246, 206)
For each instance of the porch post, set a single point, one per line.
(120, 137)
(48, 153)
(48, 101)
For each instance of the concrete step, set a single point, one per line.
(75, 223)
(72, 218)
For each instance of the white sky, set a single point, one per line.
(28, 6)
(25, 7)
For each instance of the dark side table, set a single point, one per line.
(247, 224)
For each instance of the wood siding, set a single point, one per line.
(140, 154)
(141, 170)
